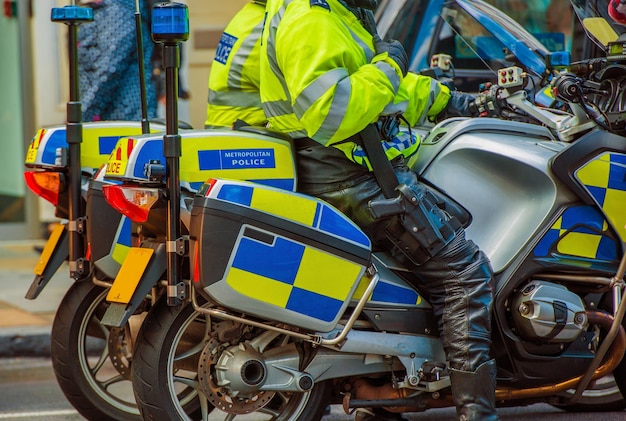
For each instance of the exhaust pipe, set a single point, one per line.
(385, 395)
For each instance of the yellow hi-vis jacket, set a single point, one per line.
(320, 78)
(234, 77)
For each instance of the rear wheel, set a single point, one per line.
(91, 361)
(171, 343)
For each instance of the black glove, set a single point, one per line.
(395, 50)
(488, 102)
(460, 104)
(368, 21)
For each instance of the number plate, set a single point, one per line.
(129, 275)
(51, 244)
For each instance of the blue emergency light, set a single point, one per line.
(170, 23)
(559, 59)
(71, 14)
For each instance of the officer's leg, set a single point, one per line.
(458, 282)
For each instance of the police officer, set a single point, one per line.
(326, 77)
(234, 76)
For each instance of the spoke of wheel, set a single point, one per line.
(187, 381)
(105, 330)
(101, 360)
(113, 380)
(191, 351)
(105, 350)
(276, 412)
(204, 407)
(189, 395)
(273, 412)
(230, 417)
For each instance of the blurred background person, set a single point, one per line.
(108, 65)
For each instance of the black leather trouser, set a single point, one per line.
(457, 281)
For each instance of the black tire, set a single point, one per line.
(169, 332)
(81, 359)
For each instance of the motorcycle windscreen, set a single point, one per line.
(274, 254)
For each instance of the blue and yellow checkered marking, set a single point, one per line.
(389, 293)
(581, 231)
(123, 240)
(106, 144)
(294, 207)
(605, 179)
(290, 275)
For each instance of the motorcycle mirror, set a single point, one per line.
(600, 29)
(617, 11)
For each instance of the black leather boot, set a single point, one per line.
(474, 393)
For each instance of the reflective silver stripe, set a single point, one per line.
(342, 94)
(435, 90)
(316, 89)
(369, 53)
(390, 72)
(239, 60)
(392, 108)
(235, 98)
(276, 108)
(337, 111)
(298, 134)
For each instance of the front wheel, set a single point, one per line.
(620, 372)
(92, 362)
(603, 395)
(166, 379)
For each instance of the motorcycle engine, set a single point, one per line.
(548, 313)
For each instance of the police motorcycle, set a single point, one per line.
(290, 310)
(65, 167)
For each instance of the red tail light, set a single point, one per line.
(134, 202)
(207, 187)
(47, 185)
(196, 266)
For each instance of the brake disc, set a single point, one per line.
(222, 397)
(119, 352)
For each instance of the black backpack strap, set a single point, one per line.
(370, 138)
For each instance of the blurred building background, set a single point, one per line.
(34, 92)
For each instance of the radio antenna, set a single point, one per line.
(145, 123)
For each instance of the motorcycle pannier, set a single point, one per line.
(275, 254)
